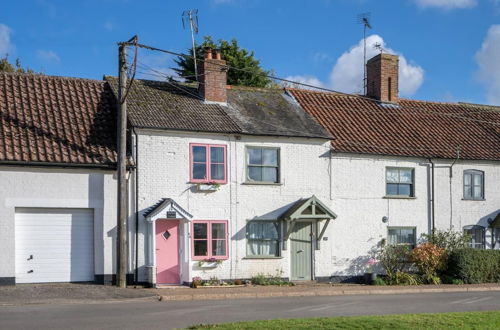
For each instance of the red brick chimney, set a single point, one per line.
(213, 77)
(382, 77)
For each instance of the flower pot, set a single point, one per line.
(370, 278)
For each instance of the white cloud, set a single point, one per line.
(446, 4)
(347, 73)
(489, 65)
(305, 79)
(5, 44)
(48, 55)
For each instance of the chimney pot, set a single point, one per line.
(208, 53)
(217, 54)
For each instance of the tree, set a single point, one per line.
(235, 56)
(6, 66)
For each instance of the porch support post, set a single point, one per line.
(288, 232)
(320, 236)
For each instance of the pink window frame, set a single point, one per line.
(208, 162)
(209, 240)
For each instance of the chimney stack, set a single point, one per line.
(382, 77)
(213, 77)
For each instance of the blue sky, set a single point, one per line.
(449, 48)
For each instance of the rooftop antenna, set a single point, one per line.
(378, 46)
(364, 19)
(190, 18)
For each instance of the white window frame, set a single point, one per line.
(412, 184)
(410, 245)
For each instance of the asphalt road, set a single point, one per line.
(178, 314)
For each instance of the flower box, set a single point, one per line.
(213, 264)
(207, 187)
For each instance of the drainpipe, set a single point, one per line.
(433, 223)
(136, 208)
(451, 195)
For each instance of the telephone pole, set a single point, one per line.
(122, 230)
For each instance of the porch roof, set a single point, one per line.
(308, 208)
(162, 208)
(496, 222)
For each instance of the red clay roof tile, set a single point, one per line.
(47, 119)
(409, 128)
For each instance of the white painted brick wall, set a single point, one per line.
(355, 192)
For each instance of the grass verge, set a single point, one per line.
(464, 320)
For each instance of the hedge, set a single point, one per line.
(474, 266)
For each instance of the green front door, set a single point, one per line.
(301, 250)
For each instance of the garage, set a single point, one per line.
(54, 245)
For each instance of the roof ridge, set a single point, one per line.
(43, 75)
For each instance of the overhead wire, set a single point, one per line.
(417, 110)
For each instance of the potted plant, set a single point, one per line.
(370, 275)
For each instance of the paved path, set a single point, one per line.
(175, 314)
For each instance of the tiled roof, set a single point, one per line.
(56, 120)
(155, 104)
(253, 111)
(409, 128)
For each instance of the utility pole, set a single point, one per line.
(122, 230)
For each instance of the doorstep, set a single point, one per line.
(253, 292)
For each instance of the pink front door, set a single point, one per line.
(167, 252)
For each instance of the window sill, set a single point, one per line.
(398, 197)
(261, 257)
(262, 183)
(473, 200)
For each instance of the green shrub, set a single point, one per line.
(449, 240)
(262, 279)
(395, 258)
(446, 279)
(474, 266)
(379, 281)
(402, 278)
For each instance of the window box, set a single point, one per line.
(209, 263)
(207, 187)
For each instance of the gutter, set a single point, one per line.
(60, 165)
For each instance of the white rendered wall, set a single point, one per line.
(58, 188)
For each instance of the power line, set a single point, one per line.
(417, 111)
(262, 74)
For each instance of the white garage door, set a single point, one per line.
(54, 245)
